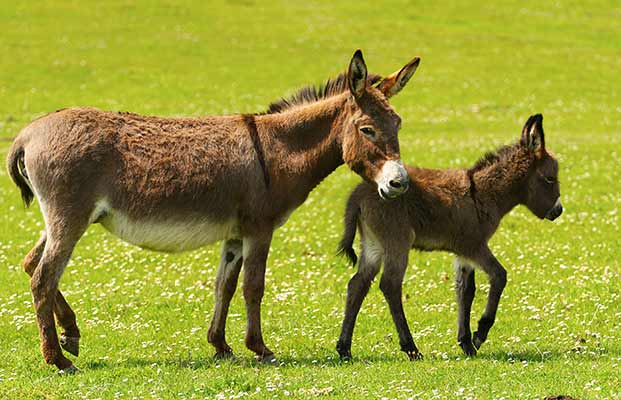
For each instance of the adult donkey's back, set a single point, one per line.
(177, 184)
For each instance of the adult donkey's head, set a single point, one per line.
(370, 142)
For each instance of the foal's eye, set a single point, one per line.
(550, 179)
(368, 131)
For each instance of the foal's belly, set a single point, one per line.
(167, 234)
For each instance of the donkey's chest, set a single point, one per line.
(168, 234)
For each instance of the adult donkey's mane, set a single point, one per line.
(311, 93)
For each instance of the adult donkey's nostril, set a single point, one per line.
(395, 184)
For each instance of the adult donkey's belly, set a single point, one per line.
(167, 234)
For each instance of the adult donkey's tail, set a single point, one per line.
(352, 213)
(17, 170)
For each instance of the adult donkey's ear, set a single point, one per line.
(392, 84)
(357, 74)
(532, 135)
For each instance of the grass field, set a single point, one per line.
(486, 66)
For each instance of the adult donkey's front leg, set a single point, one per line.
(226, 283)
(256, 249)
(498, 280)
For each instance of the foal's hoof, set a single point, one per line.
(269, 359)
(345, 356)
(70, 344)
(414, 355)
(71, 370)
(477, 341)
(224, 355)
(344, 351)
(468, 349)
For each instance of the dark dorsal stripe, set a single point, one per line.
(310, 94)
(473, 191)
(491, 158)
(256, 143)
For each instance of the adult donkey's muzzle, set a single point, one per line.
(555, 211)
(393, 180)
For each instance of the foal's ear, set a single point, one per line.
(532, 135)
(392, 84)
(357, 74)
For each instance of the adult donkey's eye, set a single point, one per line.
(368, 132)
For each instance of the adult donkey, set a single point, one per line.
(178, 184)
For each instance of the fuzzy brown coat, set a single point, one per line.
(450, 210)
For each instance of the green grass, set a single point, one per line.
(485, 68)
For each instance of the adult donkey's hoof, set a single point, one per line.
(70, 344)
(71, 370)
(269, 359)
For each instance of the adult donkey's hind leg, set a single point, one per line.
(226, 282)
(391, 285)
(256, 249)
(70, 338)
(498, 280)
(62, 235)
(465, 289)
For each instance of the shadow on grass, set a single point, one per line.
(247, 361)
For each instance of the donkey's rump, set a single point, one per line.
(141, 165)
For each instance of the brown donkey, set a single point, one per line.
(449, 210)
(174, 184)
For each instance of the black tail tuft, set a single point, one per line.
(348, 252)
(352, 213)
(17, 171)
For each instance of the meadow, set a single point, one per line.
(486, 66)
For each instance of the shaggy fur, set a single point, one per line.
(175, 184)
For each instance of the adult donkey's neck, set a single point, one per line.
(302, 145)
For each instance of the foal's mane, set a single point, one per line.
(311, 94)
(493, 157)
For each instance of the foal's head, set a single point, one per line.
(370, 142)
(543, 194)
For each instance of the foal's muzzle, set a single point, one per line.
(555, 211)
(393, 180)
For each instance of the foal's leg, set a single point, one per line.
(70, 338)
(255, 253)
(391, 285)
(498, 280)
(226, 283)
(464, 288)
(357, 289)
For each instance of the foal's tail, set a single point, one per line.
(17, 170)
(352, 213)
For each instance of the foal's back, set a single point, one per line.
(436, 213)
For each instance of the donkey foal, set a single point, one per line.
(450, 210)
